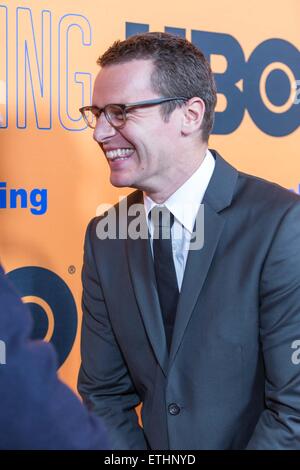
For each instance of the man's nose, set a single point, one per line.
(103, 130)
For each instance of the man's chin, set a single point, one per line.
(119, 182)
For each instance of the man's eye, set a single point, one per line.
(118, 115)
(115, 112)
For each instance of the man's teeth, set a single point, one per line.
(121, 154)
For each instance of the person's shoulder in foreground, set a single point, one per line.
(37, 411)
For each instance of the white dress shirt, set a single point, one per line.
(184, 205)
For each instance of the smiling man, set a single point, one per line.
(135, 158)
(202, 337)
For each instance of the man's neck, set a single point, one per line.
(160, 195)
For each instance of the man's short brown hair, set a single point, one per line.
(180, 69)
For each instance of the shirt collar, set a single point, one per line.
(185, 202)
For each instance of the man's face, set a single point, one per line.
(143, 154)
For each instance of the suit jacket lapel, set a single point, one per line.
(217, 197)
(196, 270)
(144, 285)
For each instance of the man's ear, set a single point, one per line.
(194, 110)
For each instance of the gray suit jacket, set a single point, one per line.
(232, 379)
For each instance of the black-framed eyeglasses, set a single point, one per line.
(116, 114)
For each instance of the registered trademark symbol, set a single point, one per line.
(71, 269)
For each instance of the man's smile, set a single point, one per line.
(119, 154)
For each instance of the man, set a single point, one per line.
(37, 411)
(213, 365)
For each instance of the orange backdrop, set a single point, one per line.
(54, 173)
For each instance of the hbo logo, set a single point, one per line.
(263, 85)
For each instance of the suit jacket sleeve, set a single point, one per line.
(37, 411)
(279, 425)
(104, 381)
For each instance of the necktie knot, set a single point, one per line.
(162, 220)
